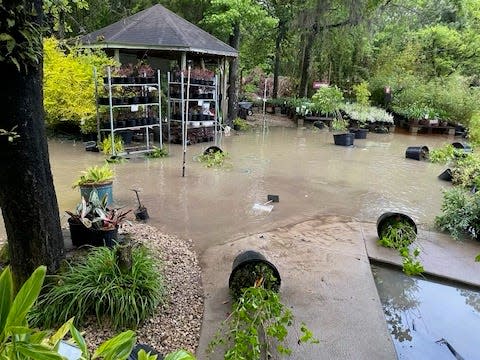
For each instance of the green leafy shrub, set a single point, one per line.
(99, 285)
(69, 89)
(474, 129)
(241, 124)
(460, 213)
(466, 170)
(327, 100)
(362, 94)
(444, 154)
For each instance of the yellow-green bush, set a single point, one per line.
(69, 91)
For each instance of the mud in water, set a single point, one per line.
(302, 166)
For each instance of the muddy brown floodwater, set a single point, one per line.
(310, 175)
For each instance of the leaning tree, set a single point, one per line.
(27, 196)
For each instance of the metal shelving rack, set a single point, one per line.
(112, 129)
(185, 102)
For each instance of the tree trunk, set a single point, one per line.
(232, 77)
(278, 53)
(307, 54)
(27, 195)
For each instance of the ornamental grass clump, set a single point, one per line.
(108, 284)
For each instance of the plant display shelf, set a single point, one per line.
(183, 97)
(141, 107)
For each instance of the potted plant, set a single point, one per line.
(93, 223)
(258, 318)
(398, 231)
(341, 135)
(98, 178)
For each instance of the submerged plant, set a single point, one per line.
(157, 153)
(106, 145)
(241, 124)
(213, 158)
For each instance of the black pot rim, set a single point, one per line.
(388, 215)
(259, 259)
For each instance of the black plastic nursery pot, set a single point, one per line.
(141, 213)
(359, 133)
(446, 175)
(390, 218)
(344, 139)
(417, 152)
(465, 147)
(211, 150)
(82, 235)
(247, 268)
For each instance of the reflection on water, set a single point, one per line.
(428, 320)
(310, 174)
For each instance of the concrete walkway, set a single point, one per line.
(327, 282)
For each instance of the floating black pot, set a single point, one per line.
(319, 124)
(465, 147)
(344, 139)
(360, 133)
(417, 152)
(211, 150)
(446, 175)
(249, 267)
(390, 218)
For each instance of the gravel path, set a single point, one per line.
(176, 324)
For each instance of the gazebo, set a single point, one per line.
(166, 40)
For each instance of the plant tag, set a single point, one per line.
(134, 108)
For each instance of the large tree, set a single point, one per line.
(27, 195)
(227, 19)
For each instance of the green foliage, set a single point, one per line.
(95, 175)
(58, 10)
(241, 124)
(258, 319)
(327, 100)
(460, 213)
(250, 274)
(466, 170)
(474, 129)
(179, 355)
(20, 342)
(444, 154)
(157, 153)
(20, 34)
(362, 94)
(98, 285)
(399, 235)
(106, 144)
(339, 125)
(213, 159)
(69, 89)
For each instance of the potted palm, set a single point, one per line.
(98, 178)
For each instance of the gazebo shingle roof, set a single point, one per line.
(157, 28)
